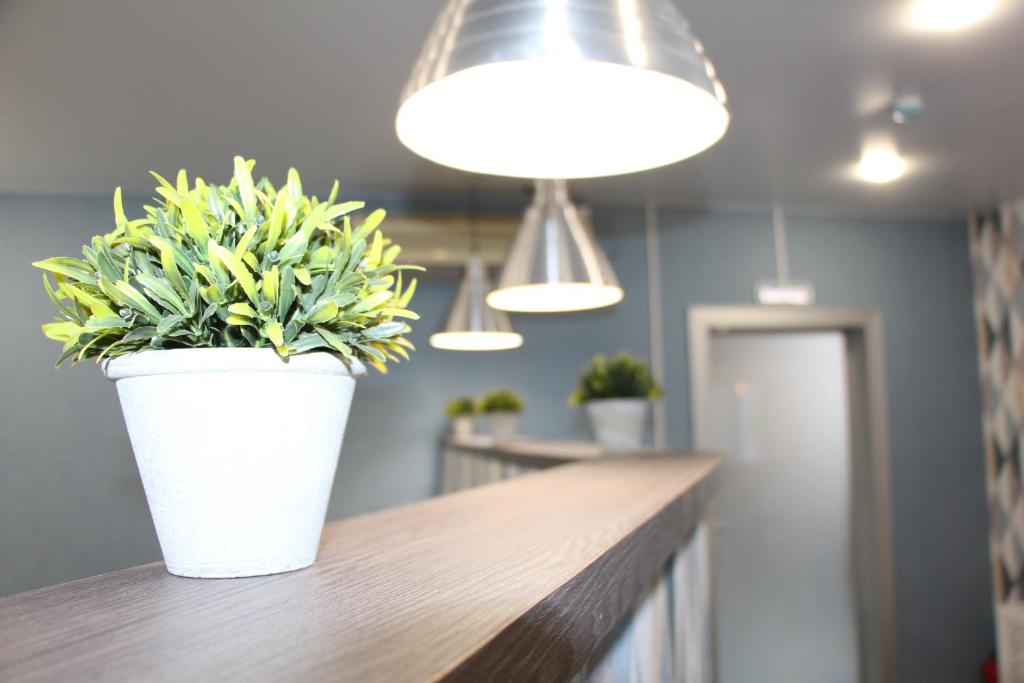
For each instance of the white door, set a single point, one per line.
(783, 580)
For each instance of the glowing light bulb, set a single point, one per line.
(476, 341)
(550, 118)
(949, 15)
(555, 298)
(880, 164)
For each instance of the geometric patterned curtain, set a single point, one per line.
(997, 257)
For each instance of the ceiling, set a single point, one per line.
(94, 94)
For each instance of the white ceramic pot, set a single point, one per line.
(618, 423)
(462, 426)
(237, 450)
(503, 426)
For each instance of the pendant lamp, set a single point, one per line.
(473, 325)
(555, 263)
(561, 89)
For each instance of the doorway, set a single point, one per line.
(794, 399)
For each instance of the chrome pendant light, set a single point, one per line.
(561, 89)
(473, 325)
(555, 263)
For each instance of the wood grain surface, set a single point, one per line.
(522, 580)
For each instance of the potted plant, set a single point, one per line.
(502, 408)
(616, 393)
(460, 412)
(234, 320)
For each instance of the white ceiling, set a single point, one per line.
(93, 94)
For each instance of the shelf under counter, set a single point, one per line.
(526, 579)
(469, 461)
(535, 453)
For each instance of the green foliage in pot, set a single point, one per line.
(501, 401)
(622, 376)
(462, 406)
(238, 265)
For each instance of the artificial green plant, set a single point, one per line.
(501, 401)
(460, 407)
(238, 265)
(622, 376)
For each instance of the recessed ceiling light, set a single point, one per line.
(880, 164)
(949, 15)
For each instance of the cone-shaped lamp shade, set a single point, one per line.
(555, 263)
(472, 324)
(561, 89)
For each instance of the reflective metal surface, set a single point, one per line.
(561, 89)
(651, 34)
(472, 324)
(555, 247)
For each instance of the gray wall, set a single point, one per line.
(71, 504)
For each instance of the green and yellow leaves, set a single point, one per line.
(90, 302)
(294, 248)
(501, 401)
(161, 291)
(242, 264)
(294, 186)
(120, 220)
(323, 312)
(243, 309)
(335, 341)
(278, 216)
(371, 223)
(372, 301)
(62, 331)
(243, 176)
(170, 265)
(76, 269)
(194, 222)
(126, 295)
(271, 284)
(275, 333)
(622, 376)
(238, 269)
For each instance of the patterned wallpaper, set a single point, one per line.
(997, 255)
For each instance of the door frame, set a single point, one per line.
(863, 331)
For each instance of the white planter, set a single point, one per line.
(462, 425)
(503, 426)
(237, 451)
(618, 424)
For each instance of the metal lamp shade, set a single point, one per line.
(555, 263)
(561, 89)
(473, 325)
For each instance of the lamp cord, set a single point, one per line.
(781, 251)
(474, 219)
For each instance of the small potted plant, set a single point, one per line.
(234, 320)
(461, 412)
(502, 408)
(616, 393)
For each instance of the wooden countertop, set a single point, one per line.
(521, 580)
(533, 452)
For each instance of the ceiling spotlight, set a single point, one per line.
(561, 89)
(949, 15)
(881, 163)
